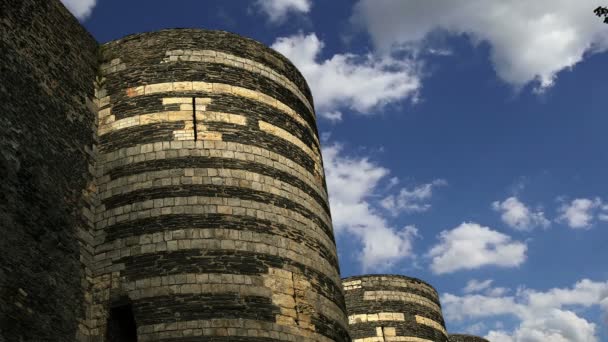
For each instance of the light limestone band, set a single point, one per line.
(210, 56)
(387, 281)
(219, 88)
(381, 316)
(400, 296)
(431, 323)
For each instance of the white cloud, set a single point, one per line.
(471, 246)
(278, 10)
(351, 182)
(579, 213)
(359, 83)
(475, 285)
(543, 316)
(412, 201)
(81, 9)
(518, 216)
(529, 40)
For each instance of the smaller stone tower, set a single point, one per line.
(393, 308)
(466, 338)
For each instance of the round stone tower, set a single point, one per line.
(466, 338)
(393, 308)
(213, 217)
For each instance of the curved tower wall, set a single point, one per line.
(393, 308)
(214, 217)
(466, 338)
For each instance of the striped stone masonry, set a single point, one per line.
(393, 308)
(213, 219)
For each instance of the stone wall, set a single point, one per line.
(213, 218)
(47, 69)
(466, 338)
(393, 308)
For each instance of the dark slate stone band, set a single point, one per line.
(223, 261)
(216, 162)
(151, 225)
(216, 191)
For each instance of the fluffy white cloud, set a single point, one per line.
(518, 216)
(475, 285)
(412, 201)
(351, 182)
(579, 213)
(277, 10)
(529, 40)
(354, 82)
(543, 316)
(471, 246)
(81, 9)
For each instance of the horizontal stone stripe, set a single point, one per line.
(322, 220)
(194, 335)
(234, 328)
(391, 329)
(221, 88)
(167, 258)
(392, 339)
(208, 256)
(155, 44)
(400, 296)
(375, 317)
(431, 323)
(154, 310)
(408, 309)
(153, 233)
(330, 328)
(211, 56)
(283, 134)
(355, 294)
(261, 139)
(169, 150)
(386, 282)
(145, 290)
(139, 134)
(170, 166)
(215, 74)
(222, 103)
(169, 116)
(213, 177)
(206, 211)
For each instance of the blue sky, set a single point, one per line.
(464, 145)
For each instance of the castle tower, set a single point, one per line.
(393, 308)
(213, 218)
(466, 338)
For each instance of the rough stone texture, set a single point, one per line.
(213, 217)
(393, 308)
(466, 338)
(47, 124)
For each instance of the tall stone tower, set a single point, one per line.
(212, 216)
(393, 308)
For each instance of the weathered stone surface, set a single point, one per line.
(212, 202)
(390, 307)
(47, 68)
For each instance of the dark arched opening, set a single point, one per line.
(121, 323)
